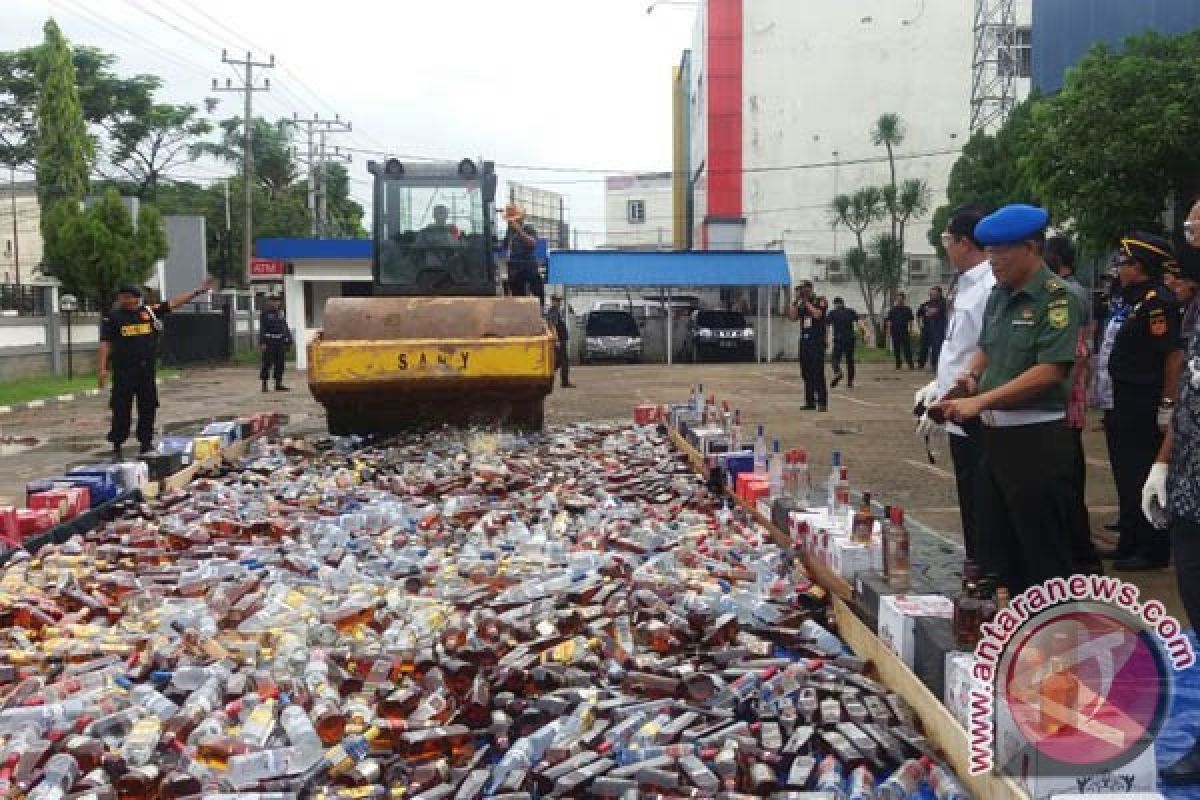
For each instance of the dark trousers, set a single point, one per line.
(965, 452)
(525, 281)
(564, 361)
(1026, 502)
(932, 337)
(812, 371)
(273, 357)
(902, 347)
(1082, 549)
(845, 349)
(1185, 539)
(1134, 440)
(128, 385)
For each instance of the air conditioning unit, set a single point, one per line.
(918, 268)
(834, 272)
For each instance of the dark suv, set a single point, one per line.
(611, 336)
(719, 336)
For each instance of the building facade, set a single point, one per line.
(639, 211)
(545, 210)
(781, 100)
(20, 233)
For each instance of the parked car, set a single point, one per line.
(718, 336)
(611, 336)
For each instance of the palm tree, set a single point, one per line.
(913, 200)
(858, 211)
(889, 132)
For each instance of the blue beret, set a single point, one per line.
(1011, 224)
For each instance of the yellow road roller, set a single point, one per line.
(435, 343)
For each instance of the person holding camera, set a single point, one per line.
(810, 311)
(129, 341)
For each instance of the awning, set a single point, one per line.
(669, 268)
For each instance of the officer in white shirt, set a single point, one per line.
(968, 298)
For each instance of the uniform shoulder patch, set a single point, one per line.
(1058, 316)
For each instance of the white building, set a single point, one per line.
(20, 244)
(782, 97)
(639, 211)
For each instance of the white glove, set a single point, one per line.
(927, 428)
(1154, 496)
(926, 396)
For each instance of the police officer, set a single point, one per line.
(1171, 495)
(810, 310)
(1144, 368)
(274, 340)
(1017, 385)
(557, 318)
(129, 344)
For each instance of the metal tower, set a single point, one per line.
(993, 68)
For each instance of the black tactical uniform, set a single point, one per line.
(812, 355)
(133, 336)
(275, 339)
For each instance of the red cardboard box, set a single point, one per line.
(57, 500)
(647, 415)
(32, 521)
(10, 529)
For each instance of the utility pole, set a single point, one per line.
(316, 158)
(12, 185)
(248, 89)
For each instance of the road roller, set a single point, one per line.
(435, 342)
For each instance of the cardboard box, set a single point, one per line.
(847, 558)
(206, 447)
(897, 620)
(31, 522)
(647, 415)
(959, 682)
(10, 529)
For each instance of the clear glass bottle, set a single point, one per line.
(775, 471)
(896, 559)
(760, 452)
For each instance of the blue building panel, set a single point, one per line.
(314, 249)
(669, 268)
(1064, 30)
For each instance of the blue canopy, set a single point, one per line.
(669, 268)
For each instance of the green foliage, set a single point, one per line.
(1111, 149)
(989, 172)
(150, 142)
(101, 249)
(274, 167)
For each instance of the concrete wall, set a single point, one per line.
(26, 345)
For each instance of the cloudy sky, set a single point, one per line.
(578, 84)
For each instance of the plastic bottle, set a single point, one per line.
(142, 742)
(299, 729)
(248, 769)
(760, 452)
(820, 636)
(153, 701)
(59, 775)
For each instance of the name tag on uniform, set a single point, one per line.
(1022, 322)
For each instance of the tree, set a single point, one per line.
(912, 202)
(103, 96)
(857, 213)
(64, 151)
(103, 251)
(148, 144)
(274, 167)
(345, 214)
(1111, 150)
(889, 132)
(989, 172)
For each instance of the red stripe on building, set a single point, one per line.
(724, 108)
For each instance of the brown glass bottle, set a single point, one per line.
(863, 524)
(967, 616)
(140, 783)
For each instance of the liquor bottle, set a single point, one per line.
(735, 432)
(971, 573)
(802, 482)
(1002, 598)
(904, 782)
(967, 616)
(139, 783)
(897, 565)
(139, 747)
(830, 777)
(862, 785)
(760, 452)
(943, 783)
(775, 471)
(841, 497)
(835, 475)
(864, 522)
(59, 775)
(727, 421)
(1059, 695)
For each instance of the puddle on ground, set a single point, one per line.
(15, 445)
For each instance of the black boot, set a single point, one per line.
(279, 387)
(1184, 771)
(117, 455)
(265, 389)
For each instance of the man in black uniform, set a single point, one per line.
(897, 325)
(129, 342)
(557, 318)
(274, 339)
(845, 323)
(810, 311)
(520, 245)
(1145, 364)
(932, 318)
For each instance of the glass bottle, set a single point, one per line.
(864, 522)
(897, 565)
(835, 475)
(760, 452)
(841, 497)
(775, 471)
(967, 610)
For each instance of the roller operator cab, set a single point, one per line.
(436, 344)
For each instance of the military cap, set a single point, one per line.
(1011, 224)
(1154, 253)
(136, 291)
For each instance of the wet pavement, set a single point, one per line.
(871, 424)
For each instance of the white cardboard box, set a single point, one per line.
(848, 559)
(897, 619)
(958, 683)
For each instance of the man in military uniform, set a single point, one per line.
(1171, 495)
(1017, 385)
(274, 340)
(557, 319)
(809, 310)
(1144, 367)
(129, 343)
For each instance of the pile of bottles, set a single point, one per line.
(981, 598)
(452, 615)
(788, 477)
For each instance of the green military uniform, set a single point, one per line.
(1026, 491)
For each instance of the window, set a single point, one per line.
(1018, 60)
(636, 212)
(8, 247)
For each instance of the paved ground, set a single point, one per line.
(871, 424)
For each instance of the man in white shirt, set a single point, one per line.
(968, 298)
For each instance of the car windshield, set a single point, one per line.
(720, 319)
(611, 323)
